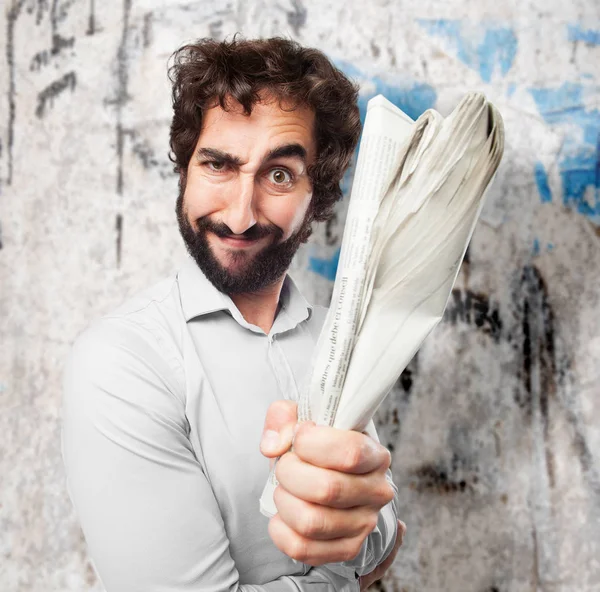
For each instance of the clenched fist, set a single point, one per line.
(331, 487)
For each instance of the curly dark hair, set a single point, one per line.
(209, 73)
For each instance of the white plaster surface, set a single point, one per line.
(495, 426)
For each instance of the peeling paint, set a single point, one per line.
(487, 48)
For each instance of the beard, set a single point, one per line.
(249, 272)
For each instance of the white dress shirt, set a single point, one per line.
(163, 410)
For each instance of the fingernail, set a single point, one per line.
(270, 441)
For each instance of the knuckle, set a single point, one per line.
(352, 549)
(312, 523)
(331, 492)
(386, 493)
(301, 445)
(371, 523)
(279, 470)
(284, 465)
(280, 412)
(391, 494)
(298, 550)
(388, 459)
(352, 458)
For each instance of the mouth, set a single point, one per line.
(238, 243)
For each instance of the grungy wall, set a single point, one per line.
(495, 424)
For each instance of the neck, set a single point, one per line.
(260, 308)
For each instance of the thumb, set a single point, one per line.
(278, 431)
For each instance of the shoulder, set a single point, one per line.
(140, 340)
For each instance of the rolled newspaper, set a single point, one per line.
(416, 197)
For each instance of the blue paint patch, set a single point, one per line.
(486, 48)
(541, 179)
(412, 97)
(536, 249)
(579, 156)
(325, 267)
(578, 33)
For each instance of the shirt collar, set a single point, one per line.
(199, 297)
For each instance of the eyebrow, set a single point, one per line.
(219, 155)
(285, 151)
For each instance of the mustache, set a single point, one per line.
(223, 231)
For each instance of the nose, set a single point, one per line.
(239, 213)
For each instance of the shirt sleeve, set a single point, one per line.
(147, 511)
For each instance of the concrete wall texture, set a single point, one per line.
(494, 425)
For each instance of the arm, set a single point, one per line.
(147, 511)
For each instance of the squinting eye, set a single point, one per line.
(280, 176)
(215, 165)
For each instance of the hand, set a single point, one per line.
(375, 575)
(331, 487)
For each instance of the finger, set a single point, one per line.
(317, 522)
(385, 565)
(401, 532)
(312, 552)
(332, 488)
(397, 544)
(341, 450)
(278, 430)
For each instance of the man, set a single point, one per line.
(166, 398)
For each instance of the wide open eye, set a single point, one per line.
(279, 176)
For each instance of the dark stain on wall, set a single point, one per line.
(11, 19)
(474, 308)
(58, 12)
(147, 35)
(406, 380)
(122, 92)
(388, 418)
(538, 360)
(454, 476)
(215, 30)
(145, 154)
(537, 323)
(47, 96)
(538, 370)
(92, 25)
(543, 376)
(465, 267)
(42, 58)
(297, 18)
(119, 237)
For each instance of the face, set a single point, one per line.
(244, 206)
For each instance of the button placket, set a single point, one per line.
(282, 371)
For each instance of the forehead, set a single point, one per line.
(270, 124)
